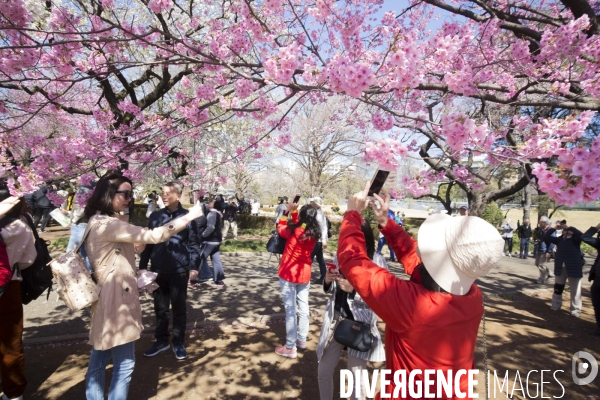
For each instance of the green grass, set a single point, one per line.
(256, 232)
(59, 244)
(252, 245)
(259, 245)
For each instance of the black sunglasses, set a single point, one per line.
(126, 193)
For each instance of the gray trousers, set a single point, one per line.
(330, 359)
(540, 262)
(574, 287)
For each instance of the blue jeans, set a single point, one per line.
(536, 248)
(77, 232)
(296, 318)
(524, 247)
(123, 358)
(380, 245)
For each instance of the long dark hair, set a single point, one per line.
(102, 197)
(308, 216)
(217, 205)
(428, 281)
(18, 209)
(366, 229)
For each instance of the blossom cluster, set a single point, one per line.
(385, 153)
(88, 87)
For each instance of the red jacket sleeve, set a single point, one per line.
(404, 246)
(390, 298)
(282, 227)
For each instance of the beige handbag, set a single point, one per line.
(75, 284)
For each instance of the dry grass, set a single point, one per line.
(581, 220)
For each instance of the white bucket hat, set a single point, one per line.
(316, 201)
(456, 251)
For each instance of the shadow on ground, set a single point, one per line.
(234, 359)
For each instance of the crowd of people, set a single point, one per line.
(439, 305)
(560, 244)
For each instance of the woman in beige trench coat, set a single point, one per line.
(116, 321)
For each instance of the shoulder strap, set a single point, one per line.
(85, 233)
(33, 228)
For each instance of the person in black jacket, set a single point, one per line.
(524, 233)
(230, 218)
(568, 265)
(172, 260)
(211, 244)
(43, 206)
(594, 276)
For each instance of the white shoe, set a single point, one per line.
(503, 253)
(509, 255)
(5, 397)
(575, 314)
(556, 302)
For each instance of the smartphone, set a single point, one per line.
(297, 199)
(378, 181)
(332, 268)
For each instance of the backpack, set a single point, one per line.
(76, 286)
(328, 222)
(38, 277)
(6, 271)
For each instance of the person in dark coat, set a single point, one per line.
(43, 206)
(524, 233)
(568, 265)
(538, 234)
(172, 260)
(212, 237)
(594, 276)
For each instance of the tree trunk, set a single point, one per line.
(477, 203)
(527, 203)
(544, 205)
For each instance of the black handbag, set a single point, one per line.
(355, 335)
(38, 277)
(276, 244)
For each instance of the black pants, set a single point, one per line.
(172, 291)
(318, 252)
(44, 215)
(508, 245)
(595, 291)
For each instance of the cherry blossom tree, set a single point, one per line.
(131, 77)
(322, 145)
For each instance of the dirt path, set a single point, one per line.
(232, 334)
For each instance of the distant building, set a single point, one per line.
(335, 168)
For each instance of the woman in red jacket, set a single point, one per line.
(431, 320)
(294, 273)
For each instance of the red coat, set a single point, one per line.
(296, 262)
(424, 329)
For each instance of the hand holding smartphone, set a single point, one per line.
(377, 182)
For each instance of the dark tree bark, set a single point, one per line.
(527, 203)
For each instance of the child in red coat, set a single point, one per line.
(294, 273)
